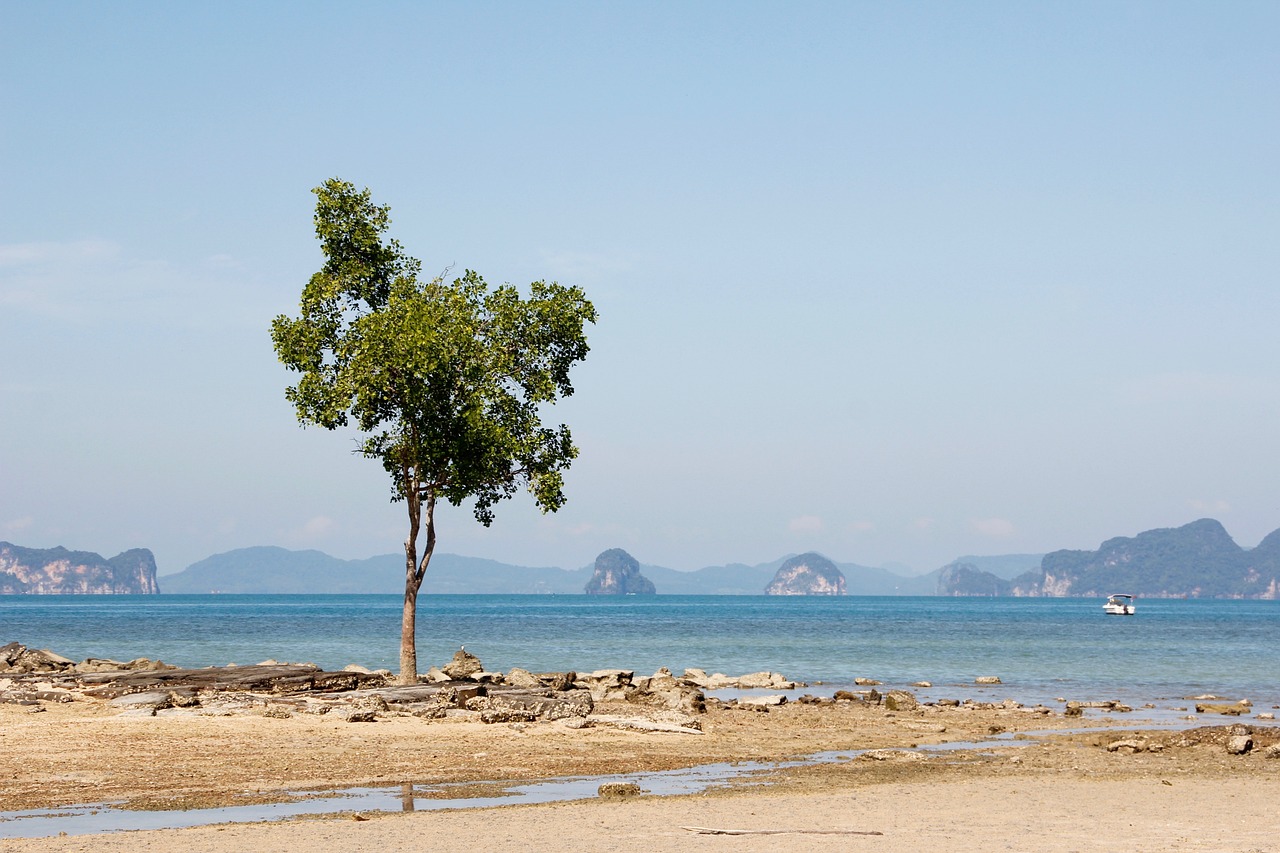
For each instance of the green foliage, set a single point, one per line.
(445, 380)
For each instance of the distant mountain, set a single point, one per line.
(965, 579)
(807, 574)
(278, 570)
(1007, 566)
(267, 569)
(617, 573)
(1197, 560)
(57, 571)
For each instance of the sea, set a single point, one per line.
(1043, 650)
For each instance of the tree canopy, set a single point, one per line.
(445, 381)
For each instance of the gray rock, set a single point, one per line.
(505, 706)
(463, 666)
(154, 700)
(900, 700)
(518, 677)
(1126, 747)
(1239, 744)
(619, 789)
(608, 685)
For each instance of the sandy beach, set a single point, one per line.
(1074, 790)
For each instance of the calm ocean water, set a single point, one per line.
(1040, 648)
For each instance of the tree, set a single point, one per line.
(446, 382)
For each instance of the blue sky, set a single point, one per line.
(896, 282)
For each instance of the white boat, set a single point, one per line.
(1119, 604)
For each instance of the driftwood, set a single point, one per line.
(706, 830)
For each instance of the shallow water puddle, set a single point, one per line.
(109, 817)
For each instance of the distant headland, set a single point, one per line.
(1196, 560)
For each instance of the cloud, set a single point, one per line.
(17, 525)
(805, 524)
(568, 265)
(1216, 506)
(317, 527)
(97, 282)
(862, 526)
(51, 253)
(923, 523)
(1000, 528)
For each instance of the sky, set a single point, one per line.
(895, 282)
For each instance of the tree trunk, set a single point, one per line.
(408, 635)
(414, 571)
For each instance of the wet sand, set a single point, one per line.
(1178, 791)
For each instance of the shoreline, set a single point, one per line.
(89, 751)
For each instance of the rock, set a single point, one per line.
(718, 681)
(463, 666)
(10, 653)
(356, 715)
(900, 700)
(1272, 751)
(1074, 709)
(610, 790)
(435, 675)
(1126, 747)
(766, 681)
(771, 701)
(987, 679)
(1228, 710)
(664, 688)
(559, 681)
(684, 727)
(807, 574)
(890, 755)
(867, 682)
(1239, 744)
(618, 573)
(608, 685)
(278, 712)
(507, 706)
(153, 700)
(518, 677)
(697, 676)
(922, 684)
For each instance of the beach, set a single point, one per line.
(1175, 788)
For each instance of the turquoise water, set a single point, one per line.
(1040, 648)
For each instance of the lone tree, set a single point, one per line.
(446, 381)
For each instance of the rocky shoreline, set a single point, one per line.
(153, 736)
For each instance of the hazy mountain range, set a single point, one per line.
(1196, 560)
(268, 569)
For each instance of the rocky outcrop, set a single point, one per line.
(808, 574)
(618, 573)
(57, 571)
(1197, 560)
(966, 579)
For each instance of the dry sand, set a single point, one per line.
(1060, 793)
